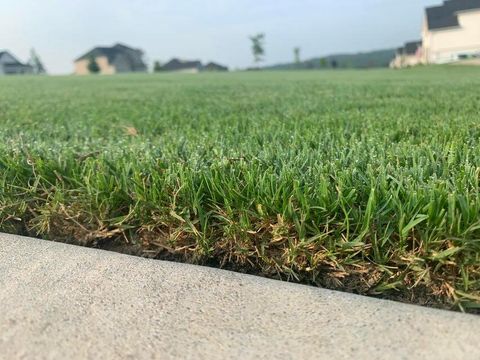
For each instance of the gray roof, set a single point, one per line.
(177, 64)
(109, 52)
(445, 16)
(214, 66)
(410, 48)
(15, 60)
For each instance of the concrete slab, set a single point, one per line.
(65, 302)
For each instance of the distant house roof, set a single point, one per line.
(134, 55)
(211, 66)
(410, 48)
(177, 64)
(445, 16)
(12, 59)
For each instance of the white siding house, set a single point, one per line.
(451, 32)
(408, 55)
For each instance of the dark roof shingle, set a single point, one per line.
(445, 16)
(15, 60)
(176, 64)
(412, 47)
(212, 66)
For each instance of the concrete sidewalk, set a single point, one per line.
(62, 302)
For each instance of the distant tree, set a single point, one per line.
(36, 63)
(334, 64)
(296, 54)
(92, 66)
(258, 47)
(157, 66)
(323, 63)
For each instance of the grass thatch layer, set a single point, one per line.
(363, 181)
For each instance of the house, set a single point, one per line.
(116, 59)
(184, 66)
(211, 66)
(410, 54)
(191, 66)
(451, 32)
(10, 65)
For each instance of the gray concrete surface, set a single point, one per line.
(65, 302)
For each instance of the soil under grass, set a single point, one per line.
(366, 181)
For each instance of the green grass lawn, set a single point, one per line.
(366, 181)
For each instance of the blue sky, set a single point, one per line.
(61, 30)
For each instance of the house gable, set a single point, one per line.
(446, 16)
(117, 58)
(7, 58)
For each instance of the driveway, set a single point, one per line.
(65, 302)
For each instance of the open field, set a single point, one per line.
(366, 181)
